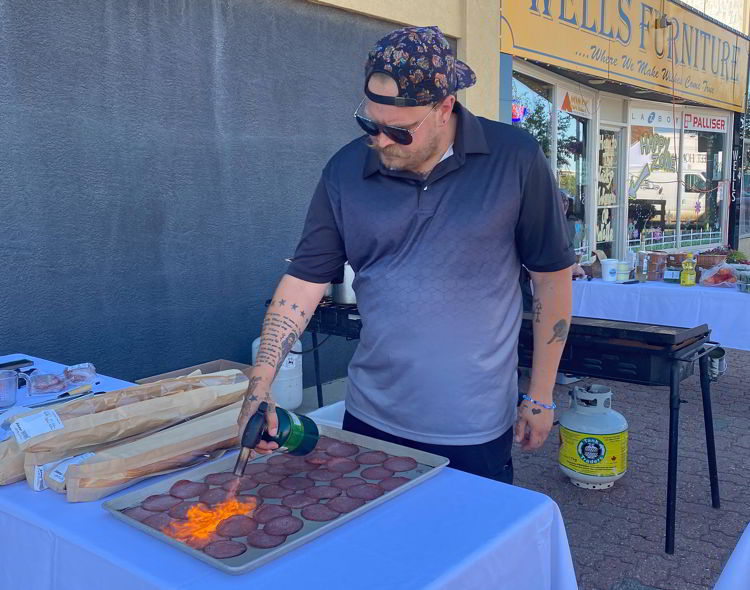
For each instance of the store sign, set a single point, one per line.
(667, 119)
(698, 122)
(519, 112)
(655, 118)
(619, 40)
(573, 103)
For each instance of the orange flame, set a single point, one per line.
(202, 521)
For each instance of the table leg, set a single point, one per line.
(316, 362)
(708, 420)
(674, 416)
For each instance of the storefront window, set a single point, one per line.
(745, 198)
(652, 181)
(701, 208)
(608, 203)
(532, 109)
(572, 173)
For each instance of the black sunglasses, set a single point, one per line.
(400, 135)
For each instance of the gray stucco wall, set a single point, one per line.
(157, 160)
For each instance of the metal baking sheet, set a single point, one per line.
(427, 466)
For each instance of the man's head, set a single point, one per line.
(411, 78)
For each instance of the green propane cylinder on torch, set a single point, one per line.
(297, 434)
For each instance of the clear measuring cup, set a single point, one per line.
(9, 387)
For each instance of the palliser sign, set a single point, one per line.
(619, 40)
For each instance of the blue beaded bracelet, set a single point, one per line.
(528, 398)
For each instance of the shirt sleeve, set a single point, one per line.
(320, 254)
(541, 232)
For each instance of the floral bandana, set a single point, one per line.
(421, 62)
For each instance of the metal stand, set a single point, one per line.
(674, 415)
(316, 360)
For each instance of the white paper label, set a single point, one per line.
(58, 473)
(672, 274)
(40, 423)
(39, 484)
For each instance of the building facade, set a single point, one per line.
(733, 13)
(635, 107)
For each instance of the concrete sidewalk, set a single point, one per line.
(617, 535)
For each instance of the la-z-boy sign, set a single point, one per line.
(619, 40)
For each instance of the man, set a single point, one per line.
(435, 209)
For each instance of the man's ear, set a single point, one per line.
(446, 108)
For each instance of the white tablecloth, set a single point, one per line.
(736, 573)
(453, 531)
(726, 311)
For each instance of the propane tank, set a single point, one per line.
(286, 388)
(593, 439)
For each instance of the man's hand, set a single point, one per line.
(258, 390)
(533, 425)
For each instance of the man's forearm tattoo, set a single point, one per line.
(559, 332)
(281, 329)
(286, 346)
(537, 310)
(252, 386)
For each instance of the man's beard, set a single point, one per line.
(396, 157)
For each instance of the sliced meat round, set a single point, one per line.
(400, 463)
(297, 464)
(344, 483)
(274, 491)
(296, 483)
(278, 459)
(217, 479)
(180, 511)
(322, 492)
(267, 477)
(365, 491)
(322, 474)
(298, 500)
(340, 449)
(185, 489)
(236, 526)
(318, 513)
(371, 458)
(376, 472)
(392, 483)
(279, 470)
(345, 504)
(283, 525)
(214, 496)
(138, 513)
(324, 442)
(160, 502)
(201, 542)
(224, 549)
(269, 512)
(341, 465)
(158, 521)
(253, 502)
(263, 540)
(317, 458)
(239, 484)
(253, 468)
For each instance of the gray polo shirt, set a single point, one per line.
(437, 264)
